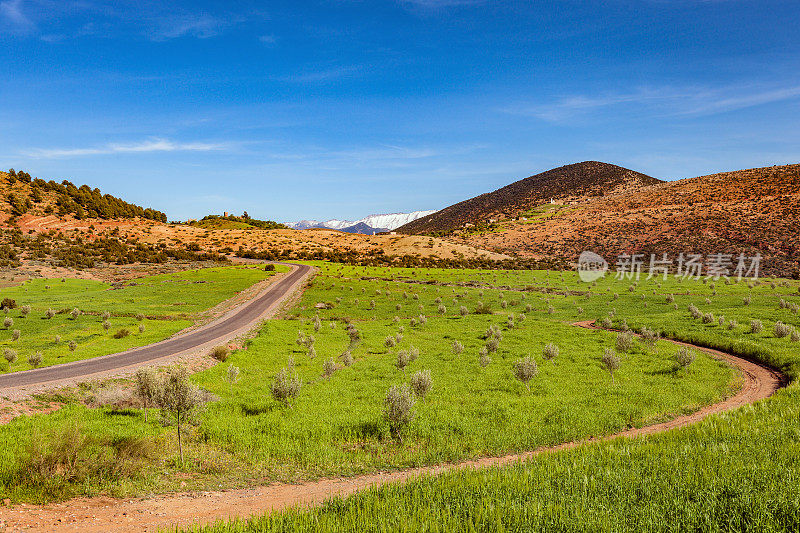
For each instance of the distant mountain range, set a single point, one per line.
(368, 225)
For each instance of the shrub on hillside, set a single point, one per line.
(421, 383)
(525, 369)
(220, 353)
(398, 409)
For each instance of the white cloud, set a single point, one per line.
(202, 26)
(321, 75)
(688, 101)
(151, 145)
(11, 12)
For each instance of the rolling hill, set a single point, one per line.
(564, 184)
(746, 211)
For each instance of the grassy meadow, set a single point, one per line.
(150, 309)
(476, 405)
(735, 471)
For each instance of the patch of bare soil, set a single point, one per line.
(103, 514)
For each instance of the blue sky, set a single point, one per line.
(343, 108)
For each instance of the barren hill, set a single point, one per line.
(746, 211)
(564, 185)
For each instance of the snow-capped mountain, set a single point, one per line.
(368, 225)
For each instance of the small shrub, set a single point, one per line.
(413, 353)
(329, 367)
(732, 324)
(463, 311)
(317, 323)
(525, 370)
(610, 362)
(121, 333)
(75, 313)
(286, 384)
(220, 353)
(782, 330)
(106, 315)
(346, 358)
(442, 309)
(746, 300)
(141, 328)
(606, 323)
(649, 337)
(25, 310)
(398, 409)
(402, 360)
(483, 309)
(421, 383)
(8, 303)
(550, 352)
(8, 322)
(50, 313)
(708, 318)
(492, 344)
(670, 298)
(685, 356)
(35, 359)
(457, 347)
(390, 342)
(15, 335)
(795, 336)
(106, 325)
(694, 311)
(756, 326)
(624, 342)
(148, 388)
(721, 320)
(10, 355)
(72, 346)
(483, 358)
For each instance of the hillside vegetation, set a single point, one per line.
(22, 193)
(579, 180)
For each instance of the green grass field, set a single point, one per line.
(736, 471)
(335, 425)
(168, 303)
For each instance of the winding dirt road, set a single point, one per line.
(230, 325)
(103, 515)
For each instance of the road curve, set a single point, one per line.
(170, 511)
(229, 325)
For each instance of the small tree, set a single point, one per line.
(148, 388)
(610, 362)
(398, 409)
(421, 383)
(179, 399)
(525, 370)
(286, 384)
